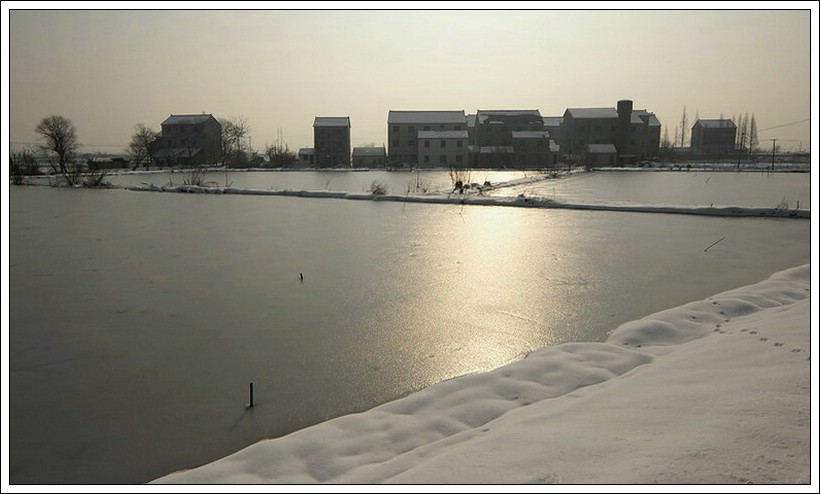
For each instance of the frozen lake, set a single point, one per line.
(137, 320)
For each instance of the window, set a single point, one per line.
(427, 143)
(410, 142)
(442, 158)
(426, 158)
(395, 128)
(411, 129)
(459, 158)
(426, 127)
(443, 144)
(459, 144)
(395, 143)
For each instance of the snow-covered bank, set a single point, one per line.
(712, 392)
(476, 199)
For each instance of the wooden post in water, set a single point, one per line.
(250, 403)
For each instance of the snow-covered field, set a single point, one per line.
(716, 391)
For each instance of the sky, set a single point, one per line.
(111, 66)
(714, 396)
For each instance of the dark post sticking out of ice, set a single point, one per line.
(250, 403)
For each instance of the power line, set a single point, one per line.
(785, 125)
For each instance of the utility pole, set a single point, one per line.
(773, 148)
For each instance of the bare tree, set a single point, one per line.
(59, 137)
(753, 142)
(234, 133)
(139, 149)
(279, 155)
(683, 123)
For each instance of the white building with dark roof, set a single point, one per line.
(403, 127)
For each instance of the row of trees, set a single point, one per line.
(60, 145)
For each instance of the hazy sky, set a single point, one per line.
(108, 70)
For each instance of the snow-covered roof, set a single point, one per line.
(471, 120)
(187, 119)
(426, 117)
(306, 151)
(331, 122)
(443, 134)
(369, 151)
(553, 121)
(483, 115)
(716, 123)
(602, 148)
(642, 115)
(530, 134)
(593, 112)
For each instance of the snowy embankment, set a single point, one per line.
(712, 392)
(476, 198)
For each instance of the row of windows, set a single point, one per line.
(443, 144)
(442, 158)
(412, 128)
(613, 129)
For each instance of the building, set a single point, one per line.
(553, 126)
(601, 155)
(306, 157)
(366, 157)
(714, 136)
(532, 148)
(403, 127)
(188, 140)
(443, 148)
(511, 138)
(331, 141)
(635, 133)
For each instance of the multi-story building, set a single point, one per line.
(635, 134)
(714, 136)
(188, 140)
(331, 141)
(511, 138)
(364, 157)
(442, 148)
(403, 127)
(531, 148)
